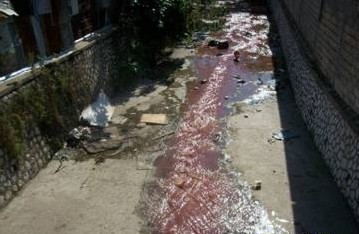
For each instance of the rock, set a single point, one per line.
(2, 179)
(196, 88)
(212, 43)
(141, 125)
(40, 163)
(2, 200)
(26, 177)
(259, 81)
(204, 81)
(221, 45)
(20, 183)
(15, 188)
(226, 97)
(257, 185)
(118, 120)
(240, 81)
(247, 34)
(28, 165)
(8, 195)
(180, 183)
(246, 116)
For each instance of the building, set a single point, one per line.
(36, 29)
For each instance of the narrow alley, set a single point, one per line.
(234, 157)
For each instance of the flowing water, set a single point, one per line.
(195, 190)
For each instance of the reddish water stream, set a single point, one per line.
(195, 192)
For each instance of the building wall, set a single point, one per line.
(331, 30)
(334, 133)
(89, 68)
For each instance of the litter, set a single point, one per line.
(98, 113)
(76, 135)
(259, 81)
(282, 220)
(102, 140)
(118, 120)
(284, 135)
(154, 119)
(257, 185)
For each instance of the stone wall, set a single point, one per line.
(332, 131)
(330, 29)
(88, 68)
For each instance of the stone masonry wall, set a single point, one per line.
(332, 132)
(89, 68)
(331, 30)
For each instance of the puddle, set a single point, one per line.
(194, 190)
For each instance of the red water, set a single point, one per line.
(193, 193)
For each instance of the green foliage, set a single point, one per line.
(44, 103)
(148, 26)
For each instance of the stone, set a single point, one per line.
(204, 81)
(141, 125)
(3, 179)
(45, 149)
(8, 195)
(241, 81)
(118, 120)
(40, 163)
(28, 165)
(26, 177)
(257, 185)
(20, 183)
(2, 200)
(223, 45)
(180, 183)
(15, 188)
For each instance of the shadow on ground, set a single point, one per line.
(317, 203)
